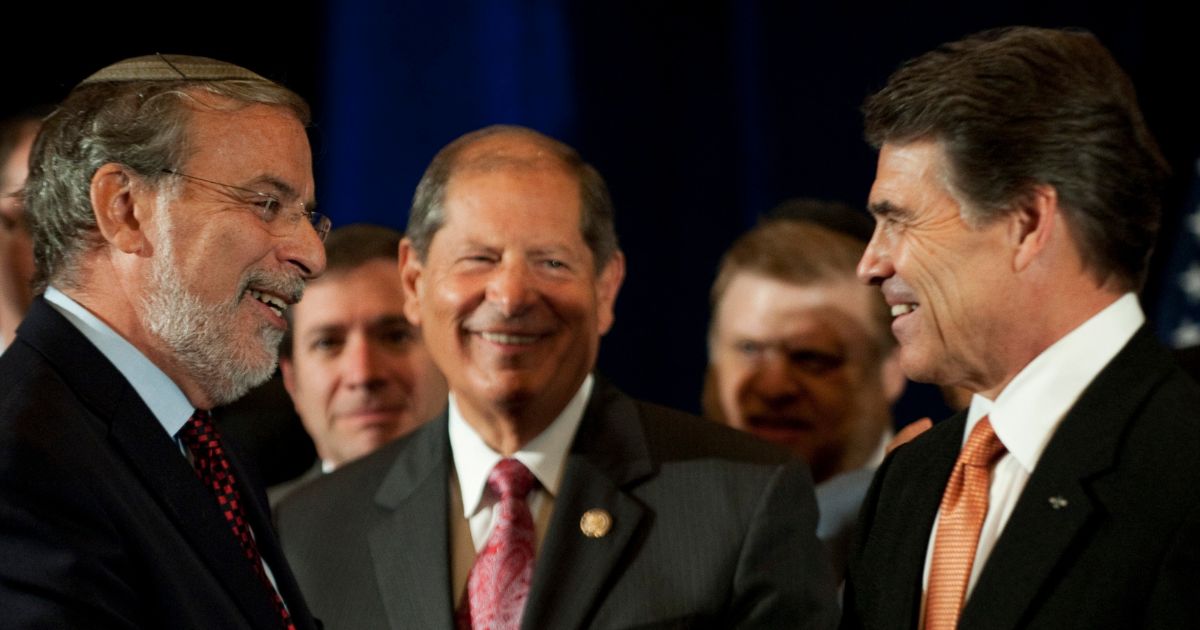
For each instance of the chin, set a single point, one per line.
(918, 366)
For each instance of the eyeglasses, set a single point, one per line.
(268, 207)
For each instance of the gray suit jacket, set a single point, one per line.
(711, 528)
(1106, 533)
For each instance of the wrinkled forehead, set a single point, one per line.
(250, 142)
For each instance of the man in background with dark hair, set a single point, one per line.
(1016, 203)
(171, 202)
(356, 369)
(544, 497)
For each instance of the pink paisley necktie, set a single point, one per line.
(212, 466)
(964, 506)
(498, 583)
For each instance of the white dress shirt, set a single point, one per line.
(545, 456)
(1027, 412)
(164, 398)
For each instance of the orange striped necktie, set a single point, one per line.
(964, 506)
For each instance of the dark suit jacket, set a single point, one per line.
(840, 499)
(103, 524)
(1119, 545)
(711, 528)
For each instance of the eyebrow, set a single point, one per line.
(390, 320)
(557, 251)
(887, 209)
(282, 189)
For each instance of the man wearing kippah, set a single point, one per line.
(171, 201)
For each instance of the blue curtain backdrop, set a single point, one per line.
(701, 116)
(405, 78)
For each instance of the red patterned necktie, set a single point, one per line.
(498, 583)
(964, 507)
(201, 438)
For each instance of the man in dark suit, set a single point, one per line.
(544, 497)
(1016, 205)
(170, 200)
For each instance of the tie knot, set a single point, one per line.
(510, 478)
(982, 447)
(199, 430)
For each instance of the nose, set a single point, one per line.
(304, 250)
(510, 287)
(361, 364)
(774, 380)
(875, 266)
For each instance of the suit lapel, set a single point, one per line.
(572, 571)
(899, 554)
(1066, 488)
(410, 548)
(152, 456)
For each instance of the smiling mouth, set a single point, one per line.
(508, 339)
(903, 309)
(277, 304)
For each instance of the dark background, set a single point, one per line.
(700, 115)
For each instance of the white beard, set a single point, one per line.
(204, 338)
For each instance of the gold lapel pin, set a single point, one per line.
(1058, 502)
(595, 523)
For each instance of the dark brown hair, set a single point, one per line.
(1020, 107)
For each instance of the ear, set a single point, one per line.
(1033, 225)
(608, 284)
(289, 376)
(412, 273)
(117, 206)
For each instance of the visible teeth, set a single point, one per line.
(276, 304)
(903, 309)
(508, 339)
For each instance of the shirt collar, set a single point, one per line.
(544, 455)
(1029, 409)
(164, 398)
(880, 452)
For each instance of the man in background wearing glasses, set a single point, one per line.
(171, 202)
